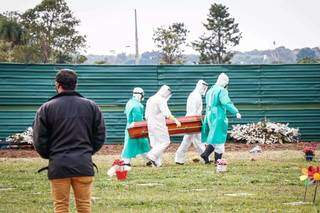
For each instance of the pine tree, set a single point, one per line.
(222, 34)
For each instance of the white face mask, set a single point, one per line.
(138, 96)
(169, 96)
(204, 90)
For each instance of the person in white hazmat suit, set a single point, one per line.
(156, 113)
(194, 107)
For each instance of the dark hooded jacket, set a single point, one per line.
(68, 130)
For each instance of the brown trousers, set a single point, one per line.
(82, 187)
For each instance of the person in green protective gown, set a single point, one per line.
(215, 124)
(134, 111)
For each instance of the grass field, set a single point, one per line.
(269, 184)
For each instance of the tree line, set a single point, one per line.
(43, 34)
(214, 45)
(47, 34)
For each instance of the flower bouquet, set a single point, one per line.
(25, 137)
(119, 169)
(264, 132)
(20, 140)
(221, 165)
(309, 152)
(311, 176)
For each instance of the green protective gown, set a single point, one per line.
(133, 147)
(215, 124)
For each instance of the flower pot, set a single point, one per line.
(122, 175)
(221, 168)
(309, 157)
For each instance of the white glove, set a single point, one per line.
(131, 125)
(238, 115)
(178, 123)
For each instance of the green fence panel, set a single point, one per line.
(281, 93)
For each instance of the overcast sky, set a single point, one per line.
(109, 24)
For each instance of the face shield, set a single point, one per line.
(138, 94)
(165, 92)
(202, 87)
(169, 96)
(223, 80)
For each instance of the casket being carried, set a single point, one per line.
(189, 124)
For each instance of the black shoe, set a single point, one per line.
(207, 152)
(205, 158)
(151, 163)
(154, 163)
(127, 164)
(217, 157)
(179, 163)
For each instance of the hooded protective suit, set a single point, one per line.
(156, 113)
(215, 125)
(134, 111)
(194, 107)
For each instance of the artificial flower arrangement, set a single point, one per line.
(264, 132)
(310, 176)
(25, 137)
(221, 165)
(309, 152)
(119, 169)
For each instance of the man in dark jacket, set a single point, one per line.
(68, 130)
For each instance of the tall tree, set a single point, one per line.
(222, 34)
(170, 41)
(52, 27)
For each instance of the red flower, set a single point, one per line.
(309, 150)
(118, 162)
(312, 170)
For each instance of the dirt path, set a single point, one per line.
(116, 149)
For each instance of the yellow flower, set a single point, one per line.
(316, 176)
(304, 171)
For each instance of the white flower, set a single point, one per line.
(265, 132)
(24, 137)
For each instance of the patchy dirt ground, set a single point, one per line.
(116, 149)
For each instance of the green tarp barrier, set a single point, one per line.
(281, 93)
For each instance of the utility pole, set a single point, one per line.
(136, 33)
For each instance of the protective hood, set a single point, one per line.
(201, 87)
(165, 92)
(223, 80)
(138, 94)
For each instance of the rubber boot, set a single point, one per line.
(217, 156)
(207, 152)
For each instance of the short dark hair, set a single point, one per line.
(67, 79)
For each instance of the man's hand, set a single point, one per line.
(238, 116)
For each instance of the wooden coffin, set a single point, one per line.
(189, 124)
